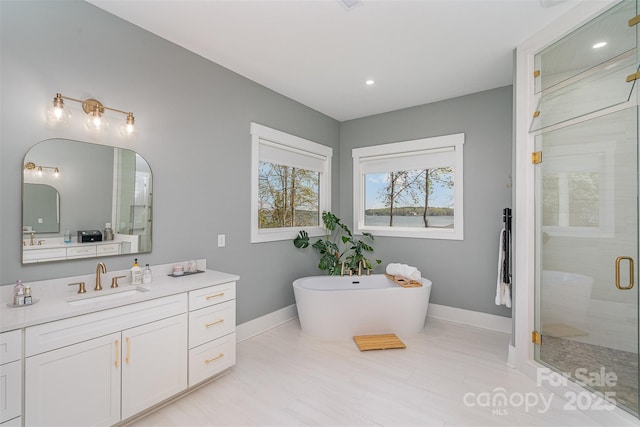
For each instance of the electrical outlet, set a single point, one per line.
(221, 240)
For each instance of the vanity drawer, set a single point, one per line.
(211, 358)
(10, 346)
(205, 297)
(212, 322)
(108, 249)
(60, 333)
(81, 252)
(39, 255)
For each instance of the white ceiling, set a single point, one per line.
(320, 53)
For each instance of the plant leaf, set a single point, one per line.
(302, 240)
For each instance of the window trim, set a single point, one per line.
(403, 149)
(296, 144)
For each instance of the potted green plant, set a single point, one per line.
(338, 246)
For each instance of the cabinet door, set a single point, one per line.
(154, 363)
(78, 385)
(10, 390)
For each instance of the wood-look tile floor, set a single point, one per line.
(443, 378)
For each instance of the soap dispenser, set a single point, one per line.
(146, 275)
(108, 232)
(136, 273)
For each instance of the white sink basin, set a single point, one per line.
(106, 295)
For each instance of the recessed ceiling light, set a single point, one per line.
(369, 82)
(599, 45)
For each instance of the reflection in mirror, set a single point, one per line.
(97, 187)
(41, 208)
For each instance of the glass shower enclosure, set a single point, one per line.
(586, 198)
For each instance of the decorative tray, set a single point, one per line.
(35, 301)
(186, 273)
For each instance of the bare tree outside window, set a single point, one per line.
(405, 198)
(287, 196)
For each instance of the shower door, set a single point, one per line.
(586, 178)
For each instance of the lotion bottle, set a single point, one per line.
(136, 273)
(18, 293)
(146, 275)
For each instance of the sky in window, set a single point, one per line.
(442, 197)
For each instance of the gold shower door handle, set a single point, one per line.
(631, 272)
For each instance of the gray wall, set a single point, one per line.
(193, 117)
(85, 182)
(464, 273)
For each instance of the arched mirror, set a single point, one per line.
(83, 200)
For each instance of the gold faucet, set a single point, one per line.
(103, 268)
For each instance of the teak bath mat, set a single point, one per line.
(378, 342)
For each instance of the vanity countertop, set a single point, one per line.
(52, 296)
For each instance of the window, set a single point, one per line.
(578, 190)
(290, 185)
(410, 189)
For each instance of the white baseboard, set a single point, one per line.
(264, 323)
(468, 317)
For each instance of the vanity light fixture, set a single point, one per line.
(30, 166)
(94, 110)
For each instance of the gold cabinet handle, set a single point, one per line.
(117, 352)
(220, 356)
(631, 273)
(128, 350)
(217, 322)
(208, 297)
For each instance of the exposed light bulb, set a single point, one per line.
(128, 128)
(95, 121)
(56, 172)
(39, 170)
(57, 113)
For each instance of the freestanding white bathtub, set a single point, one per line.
(340, 307)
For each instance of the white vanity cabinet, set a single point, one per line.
(75, 251)
(77, 385)
(73, 377)
(10, 378)
(154, 363)
(212, 338)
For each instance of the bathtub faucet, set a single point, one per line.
(350, 271)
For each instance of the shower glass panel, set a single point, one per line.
(587, 188)
(593, 91)
(583, 49)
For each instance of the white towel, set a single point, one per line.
(395, 269)
(503, 293)
(404, 270)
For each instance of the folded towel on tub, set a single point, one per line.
(404, 270)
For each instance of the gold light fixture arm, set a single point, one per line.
(92, 107)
